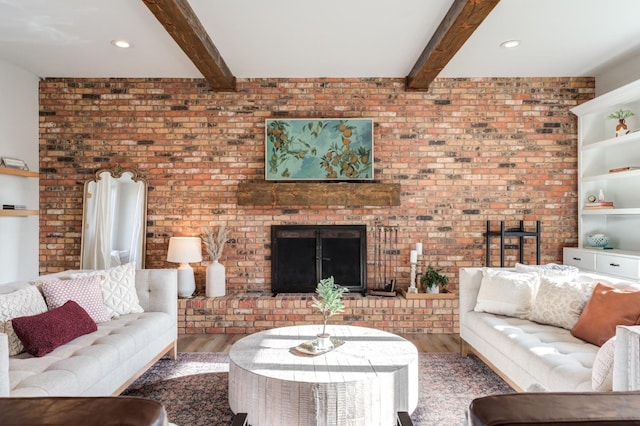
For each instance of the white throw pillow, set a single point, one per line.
(506, 292)
(118, 289)
(550, 270)
(84, 291)
(22, 302)
(560, 302)
(602, 371)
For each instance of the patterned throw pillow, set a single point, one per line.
(84, 291)
(15, 345)
(506, 292)
(560, 302)
(118, 289)
(602, 371)
(551, 270)
(21, 302)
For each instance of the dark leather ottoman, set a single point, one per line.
(95, 411)
(556, 408)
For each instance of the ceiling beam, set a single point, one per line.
(181, 22)
(459, 23)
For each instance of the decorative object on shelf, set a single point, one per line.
(13, 163)
(591, 199)
(598, 240)
(624, 169)
(621, 115)
(432, 280)
(319, 149)
(216, 275)
(601, 195)
(329, 302)
(183, 250)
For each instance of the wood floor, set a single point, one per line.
(223, 342)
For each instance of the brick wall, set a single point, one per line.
(466, 151)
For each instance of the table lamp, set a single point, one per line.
(183, 250)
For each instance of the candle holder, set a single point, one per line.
(418, 268)
(413, 289)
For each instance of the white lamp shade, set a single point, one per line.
(184, 250)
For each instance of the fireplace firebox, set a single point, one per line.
(302, 255)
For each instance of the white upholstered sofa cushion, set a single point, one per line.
(94, 363)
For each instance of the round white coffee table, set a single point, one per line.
(365, 381)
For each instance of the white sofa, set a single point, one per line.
(106, 361)
(533, 356)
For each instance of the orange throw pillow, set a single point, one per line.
(607, 308)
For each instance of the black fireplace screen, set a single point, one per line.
(302, 255)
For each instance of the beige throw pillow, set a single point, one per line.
(507, 293)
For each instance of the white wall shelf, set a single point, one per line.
(19, 173)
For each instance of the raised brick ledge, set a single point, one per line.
(248, 313)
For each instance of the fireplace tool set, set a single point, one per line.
(385, 260)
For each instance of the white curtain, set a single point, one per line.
(100, 207)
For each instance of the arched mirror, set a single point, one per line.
(114, 219)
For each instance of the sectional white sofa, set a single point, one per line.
(531, 355)
(103, 362)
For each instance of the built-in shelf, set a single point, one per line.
(18, 172)
(633, 137)
(19, 213)
(616, 175)
(596, 212)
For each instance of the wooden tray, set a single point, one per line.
(444, 295)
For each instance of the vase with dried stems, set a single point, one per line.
(214, 244)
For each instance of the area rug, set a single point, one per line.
(194, 388)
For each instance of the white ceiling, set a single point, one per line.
(316, 38)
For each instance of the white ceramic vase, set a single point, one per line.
(433, 290)
(216, 286)
(322, 343)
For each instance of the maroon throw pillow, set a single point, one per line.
(42, 333)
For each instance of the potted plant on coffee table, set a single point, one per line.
(432, 280)
(329, 302)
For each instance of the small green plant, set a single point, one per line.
(433, 278)
(621, 114)
(329, 301)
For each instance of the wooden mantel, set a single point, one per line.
(318, 194)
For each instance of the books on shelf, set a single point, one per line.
(14, 207)
(599, 205)
(624, 169)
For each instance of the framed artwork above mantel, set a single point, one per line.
(319, 149)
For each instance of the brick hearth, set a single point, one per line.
(251, 313)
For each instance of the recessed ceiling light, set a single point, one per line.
(121, 43)
(510, 44)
